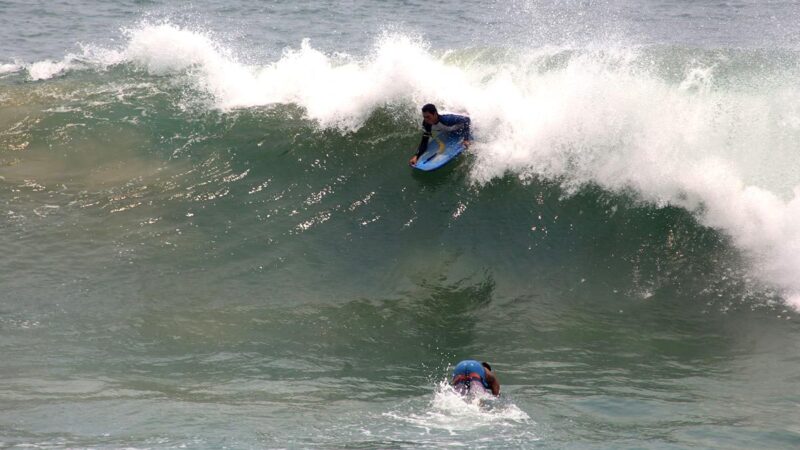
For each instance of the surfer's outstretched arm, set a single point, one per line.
(423, 144)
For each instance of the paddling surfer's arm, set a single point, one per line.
(494, 385)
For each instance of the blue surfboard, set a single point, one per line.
(441, 149)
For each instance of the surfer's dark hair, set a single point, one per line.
(485, 364)
(430, 108)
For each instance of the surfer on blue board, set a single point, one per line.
(434, 123)
(471, 376)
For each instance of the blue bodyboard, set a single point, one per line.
(441, 149)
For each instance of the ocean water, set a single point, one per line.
(211, 237)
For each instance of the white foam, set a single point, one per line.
(337, 90)
(46, 69)
(91, 56)
(9, 68)
(166, 48)
(455, 413)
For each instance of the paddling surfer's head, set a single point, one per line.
(429, 114)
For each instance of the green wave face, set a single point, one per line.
(145, 167)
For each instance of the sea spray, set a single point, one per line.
(455, 413)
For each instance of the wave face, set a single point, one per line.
(710, 133)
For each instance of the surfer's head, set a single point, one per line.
(429, 114)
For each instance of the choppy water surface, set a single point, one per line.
(212, 239)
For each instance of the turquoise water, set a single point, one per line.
(212, 238)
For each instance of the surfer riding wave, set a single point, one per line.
(434, 123)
